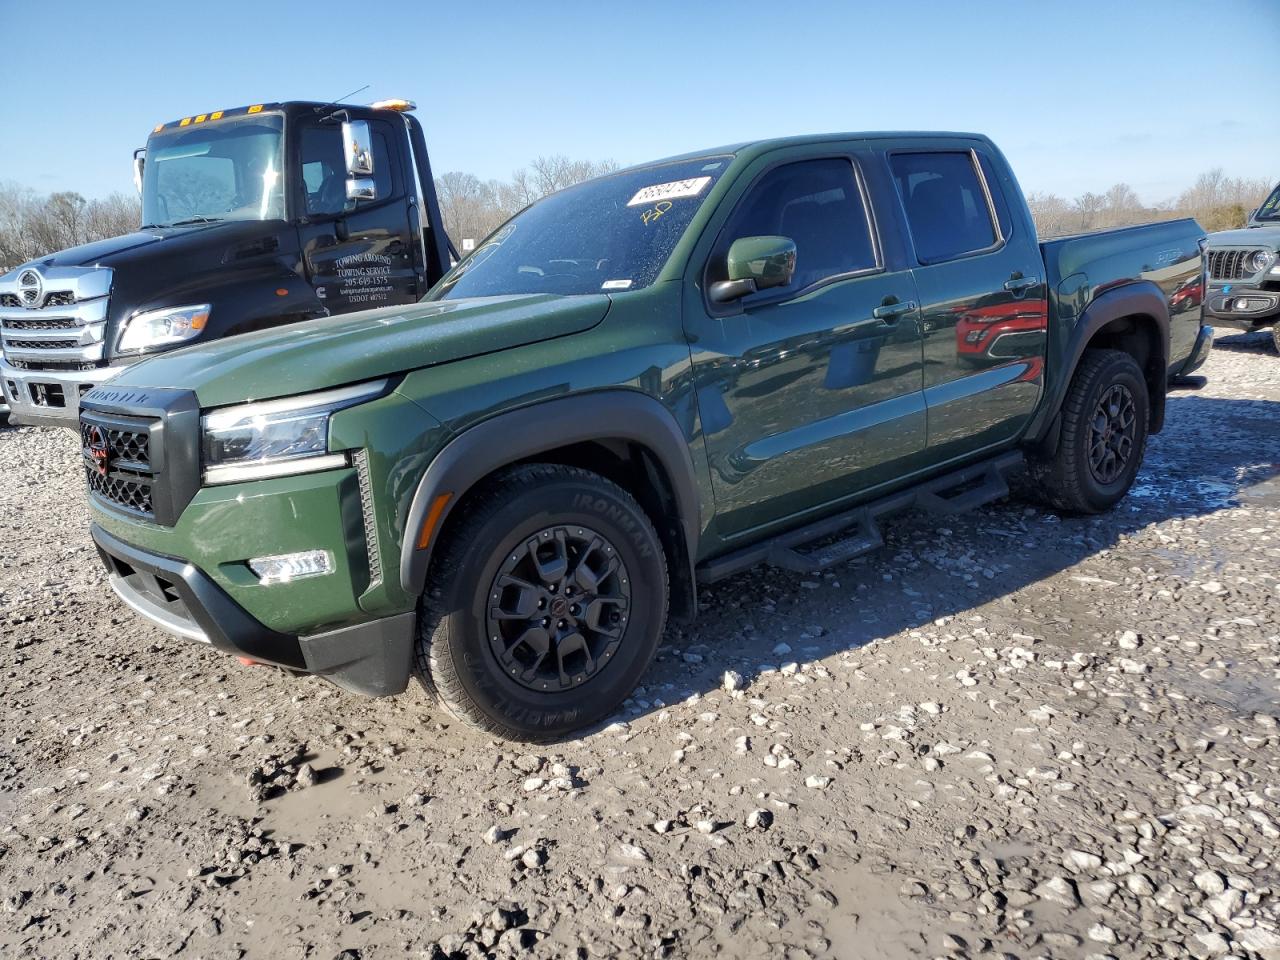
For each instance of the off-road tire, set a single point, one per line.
(454, 660)
(1065, 480)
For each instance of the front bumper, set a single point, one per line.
(371, 658)
(1245, 308)
(49, 398)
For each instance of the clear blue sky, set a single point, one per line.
(1080, 94)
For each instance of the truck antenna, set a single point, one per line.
(345, 96)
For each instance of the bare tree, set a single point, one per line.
(1218, 202)
(473, 208)
(32, 226)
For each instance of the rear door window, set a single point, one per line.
(815, 203)
(947, 209)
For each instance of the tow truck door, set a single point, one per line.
(357, 254)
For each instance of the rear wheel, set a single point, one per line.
(546, 604)
(1104, 435)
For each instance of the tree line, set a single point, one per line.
(33, 225)
(1216, 201)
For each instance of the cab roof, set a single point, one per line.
(226, 114)
(756, 147)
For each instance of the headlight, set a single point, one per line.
(1261, 260)
(276, 438)
(169, 326)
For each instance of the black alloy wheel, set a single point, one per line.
(1112, 432)
(545, 604)
(558, 608)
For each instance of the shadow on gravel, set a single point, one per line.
(1258, 341)
(1213, 454)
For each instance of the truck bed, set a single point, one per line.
(1167, 253)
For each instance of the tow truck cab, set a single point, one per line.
(251, 218)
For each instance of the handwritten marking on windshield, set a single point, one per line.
(654, 212)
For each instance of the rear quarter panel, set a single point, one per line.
(1081, 268)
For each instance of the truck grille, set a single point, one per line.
(1229, 264)
(59, 298)
(117, 462)
(73, 303)
(61, 323)
(41, 344)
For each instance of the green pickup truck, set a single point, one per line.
(638, 385)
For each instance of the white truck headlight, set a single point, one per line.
(166, 327)
(1262, 260)
(276, 438)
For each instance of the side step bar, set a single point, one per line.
(951, 493)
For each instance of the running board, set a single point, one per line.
(858, 531)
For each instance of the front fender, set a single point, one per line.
(525, 432)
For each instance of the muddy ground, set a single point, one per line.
(1007, 734)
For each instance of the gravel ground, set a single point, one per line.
(1007, 734)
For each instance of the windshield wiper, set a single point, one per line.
(183, 223)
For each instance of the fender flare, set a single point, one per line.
(527, 431)
(1138, 298)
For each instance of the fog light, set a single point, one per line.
(1242, 304)
(292, 566)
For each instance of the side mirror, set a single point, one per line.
(139, 159)
(361, 188)
(756, 263)
(357, 150)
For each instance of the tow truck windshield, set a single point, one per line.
(228, 170)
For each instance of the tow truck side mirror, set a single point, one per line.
(139, 158)
(357, 149)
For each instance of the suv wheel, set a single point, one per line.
(1104, 435)
(545, 606)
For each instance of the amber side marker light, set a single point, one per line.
(433, 518)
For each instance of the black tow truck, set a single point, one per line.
(251, 218)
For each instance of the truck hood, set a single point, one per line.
(1268, 236)
(117, 251)
(333, 351)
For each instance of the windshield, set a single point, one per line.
(610, 234)
(1270, 209)
(227, 170)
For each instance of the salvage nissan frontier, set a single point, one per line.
(637, 385)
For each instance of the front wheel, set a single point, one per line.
(545, 605)
(1105, 417)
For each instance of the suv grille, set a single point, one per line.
(1229, 264)
(117, 462)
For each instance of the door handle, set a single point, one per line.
(890, 312)
(1021, 284)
